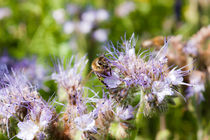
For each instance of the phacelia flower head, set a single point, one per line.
(146, 72)
(100, 118)
(70, 77)
(20, 100)
(38, 120)
(16, 94)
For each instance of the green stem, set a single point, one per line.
(139, 118)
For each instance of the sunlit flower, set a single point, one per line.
(161, 89)
(28, 130)
(16, 93)
(175, 77)
(69, 77)
(20, 100)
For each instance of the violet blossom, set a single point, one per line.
(146, 72)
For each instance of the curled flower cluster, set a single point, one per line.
(69, 78)
(20, 100)
(148, 73)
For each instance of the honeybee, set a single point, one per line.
(157, 41)
(102, 68)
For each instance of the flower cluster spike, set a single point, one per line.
(20, 100)
(69, 77)
(145, 71)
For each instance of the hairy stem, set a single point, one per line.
(139, 117)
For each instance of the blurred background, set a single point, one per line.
(35, 32)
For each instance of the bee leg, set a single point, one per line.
(100, 79)
(111, 72)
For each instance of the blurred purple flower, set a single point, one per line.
(197, 80)
(72, 9)
(33, 71)
(191, 48)
(4, 12)
(125, 8)
(100, 35)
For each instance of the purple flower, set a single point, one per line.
(38, 119)
(104, 105)
(191, 48)
(85, 122)
(145, 71)
(16, 91)
(28, 130)
(197, 80)
(34, 72)
(20, 99)
(112, 81)
(70, 77)
(175, 77)
(125, 113)
(160, 90)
